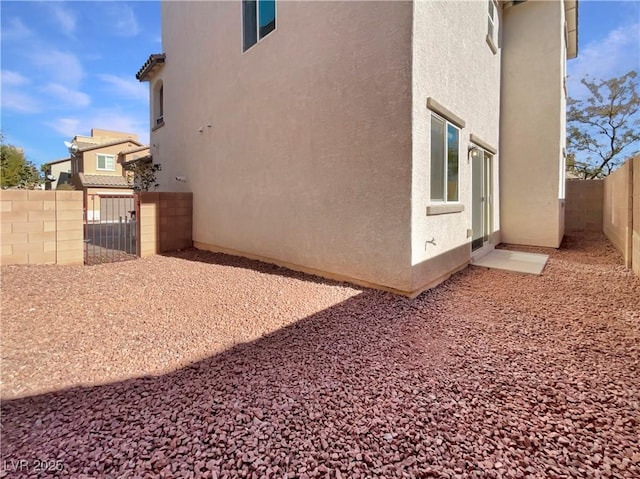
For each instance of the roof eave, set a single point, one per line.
(112, 143)
(571, 17)
(151, 66)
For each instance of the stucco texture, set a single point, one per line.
(453, 64)
(532, 124)
(312, 148)
(298, 151)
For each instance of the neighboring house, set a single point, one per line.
(383, 143)
(58, 173)
(97, 165)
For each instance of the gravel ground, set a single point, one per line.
(204, 365)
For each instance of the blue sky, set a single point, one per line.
(70, 66)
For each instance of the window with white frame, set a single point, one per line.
(445, 145)
(158, 103)
(492, 23)
(258, 20)
(106, 162)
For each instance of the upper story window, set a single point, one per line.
(445, 145)
(492, 25)
(258, 20)
(158, 104)
(106, 162)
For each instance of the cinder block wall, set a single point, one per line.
(41, 227)
(618, 210)
(635, 205)
(583, 205)
(165, 222)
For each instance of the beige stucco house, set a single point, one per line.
(383, 143)
(57, 172)
(96, 165)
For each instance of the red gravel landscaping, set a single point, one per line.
(206, 365)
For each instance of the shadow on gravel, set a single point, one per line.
(333, 375)
(222, 259)
(488, 373)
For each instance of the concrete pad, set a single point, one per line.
(529, 263)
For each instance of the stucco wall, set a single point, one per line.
(57, 169)
(532, 124)
(584, 201)
(90, 159)
(454, 65)
(41, 227)
(298, 150)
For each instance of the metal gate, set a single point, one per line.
(111, 229)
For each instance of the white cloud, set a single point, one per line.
(65, 19)
(612, 56)
(121, 19)
(11, 78)
(59, 66)
(15, 30)
(73, 98)
(19, 102)
(14, 97)
(106, 118)
(113, 119)
(66, 126)
(126, 87)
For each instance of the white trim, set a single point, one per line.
(105, 155)
(494, 21)
(444, 201)
(258, 39)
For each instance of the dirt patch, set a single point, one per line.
(213, 366)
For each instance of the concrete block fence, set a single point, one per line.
(47, 227)
(612, 206)
(41, 227)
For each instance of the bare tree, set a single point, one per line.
(604, 128)
(142, 175)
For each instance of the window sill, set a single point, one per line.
(445, 209)
(159, 125)
(492, 45)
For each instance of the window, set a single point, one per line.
(258, 20)
(492, 26)
(106, 162)
(492, 18)
(444, 160)
(158, 104)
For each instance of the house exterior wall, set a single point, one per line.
(90, 159)
(454, 65)
(307, 159)
(102, 133)
(532, 133)
(62, 168)
(135, 155)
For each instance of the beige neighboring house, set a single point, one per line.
(58, 172)
(97, 165)
(388, 144)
